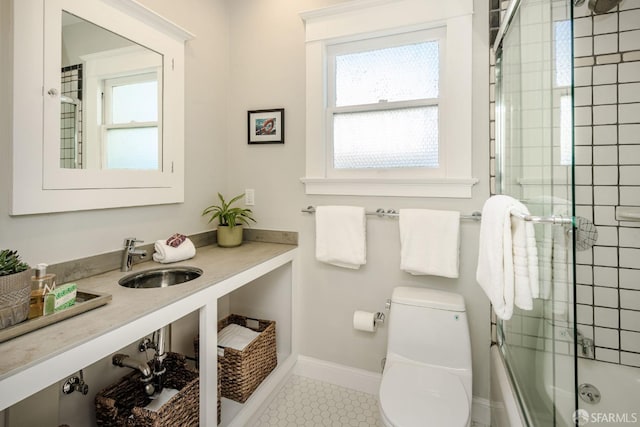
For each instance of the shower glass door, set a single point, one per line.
(534, 135)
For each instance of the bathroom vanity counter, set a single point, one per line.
(40, 358)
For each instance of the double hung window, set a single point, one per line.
(130, 129)
(389, 99)
(383, 110)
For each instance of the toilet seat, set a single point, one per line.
(419, 395)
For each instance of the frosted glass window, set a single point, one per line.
(383, 95)
(563, 53)
(398, 73)
(132, 148)
(136, 102)
(386, 139)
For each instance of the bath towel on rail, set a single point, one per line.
(429, 242)
(554, 258)
(507, 256)
(341, 236)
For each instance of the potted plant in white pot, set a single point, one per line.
(15, 288)
(230, 220)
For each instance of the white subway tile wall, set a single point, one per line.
(608, 278)
(607, 174)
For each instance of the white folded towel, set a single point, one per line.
(165, 254)
(236, 336)
(341, 236)
(429, 242)
(507, 257)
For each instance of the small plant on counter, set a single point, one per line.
(10, 263)
(15, 288)
(230, 220)
(227, 215)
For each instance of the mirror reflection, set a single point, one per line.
(111, 95)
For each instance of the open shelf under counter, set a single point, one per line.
(38, 359)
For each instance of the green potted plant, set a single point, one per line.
(15, 288)
(230, 220)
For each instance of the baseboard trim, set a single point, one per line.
(344, 376)
(369, 382)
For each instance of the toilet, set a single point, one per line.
(427, 374)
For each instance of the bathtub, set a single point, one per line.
(619, 388)
(505, 409)
(618, 385)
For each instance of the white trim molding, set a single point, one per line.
(364, 19)
(451, 187)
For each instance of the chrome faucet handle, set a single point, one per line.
(129, 252)
(131, 241)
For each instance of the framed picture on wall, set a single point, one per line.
(266, 126)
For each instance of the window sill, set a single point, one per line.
(444, 188)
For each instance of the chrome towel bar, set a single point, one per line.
(474, 216)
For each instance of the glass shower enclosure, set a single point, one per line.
(534, 164)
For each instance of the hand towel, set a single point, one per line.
(236, 336)
(507, 257)
(166, 254)
(429, 242)
(341, 236)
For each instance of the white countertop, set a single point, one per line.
(224, 269)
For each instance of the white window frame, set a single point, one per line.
(109, 65)
(333, 50)
(107, 125)
(367, 19)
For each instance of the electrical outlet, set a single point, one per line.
(249, 197)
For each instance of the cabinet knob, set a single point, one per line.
(53, 92)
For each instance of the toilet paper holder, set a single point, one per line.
(379, 319)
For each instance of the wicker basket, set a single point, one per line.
(123, 403)
(15, 291)
(241, 372)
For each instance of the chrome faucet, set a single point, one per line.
(129, 252)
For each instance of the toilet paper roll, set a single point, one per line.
(364, 321)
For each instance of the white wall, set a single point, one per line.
(249, 55)
(60, 237)
(267, 60)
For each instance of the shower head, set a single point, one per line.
(602, 6)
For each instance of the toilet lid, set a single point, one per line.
(418, 395)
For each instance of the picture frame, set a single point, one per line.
(266, 126)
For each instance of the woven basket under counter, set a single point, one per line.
(123, 403)
(241, 372)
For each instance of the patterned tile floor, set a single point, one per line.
(307, 402)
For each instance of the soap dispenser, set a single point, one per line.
(41, 285)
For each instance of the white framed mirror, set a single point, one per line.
(86, 151)
(110, 100)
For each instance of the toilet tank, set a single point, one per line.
(429, 326)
